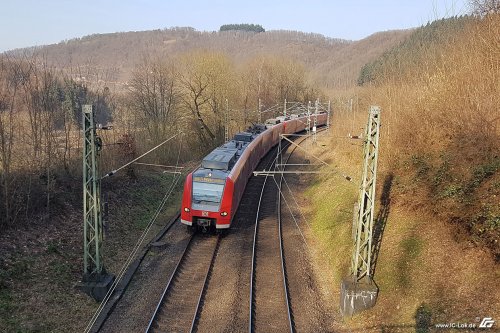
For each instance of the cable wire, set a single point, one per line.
(291, 213)
(111, 173)
(139, 242)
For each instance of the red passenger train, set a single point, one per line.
(213, 192)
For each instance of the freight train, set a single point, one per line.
(213, 191)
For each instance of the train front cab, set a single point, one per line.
(207, 201)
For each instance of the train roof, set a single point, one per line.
(208, 175)
(224, 157)
(220, 159)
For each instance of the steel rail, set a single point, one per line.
(282, 254)
(202, 292)
(175, 272)
(167, 287)
(283, 266)
(282, 257)
(128, 275)
(252, 272)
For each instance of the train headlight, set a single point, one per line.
(223, 213)
(186, 209)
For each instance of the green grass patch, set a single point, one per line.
(488, 219)
(423, 318)
(451, 191)
(146, 199)
(20, 270)
(332, 222)
(443, 173)
(8, 322)
(60, 271)
(421, 166)
(411, 248)
(483, 172)
(6, 304)
(52, 247)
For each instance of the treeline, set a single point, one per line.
(244, 27)
(193, 96)
(440, 94)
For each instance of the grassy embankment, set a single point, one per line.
(438, 186)
(37, 277)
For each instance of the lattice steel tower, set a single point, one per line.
(361, 258)
(92, 219)
(359, 292)
(95, 280)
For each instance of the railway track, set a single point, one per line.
(226, 308)
(180, 303)
(181, 306)
(110, 318)
(270, 309)
(270, 304)
(312, 314)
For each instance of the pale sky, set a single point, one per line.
(26, 23)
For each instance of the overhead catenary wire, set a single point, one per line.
(132, 254)
(252, 270)
(283, 172)
(296, 203)
(134, 250)
(291, 213)
(160, 165)
(138, 244)
(111, 173)
(346, 177)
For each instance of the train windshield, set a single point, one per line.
(206, 193)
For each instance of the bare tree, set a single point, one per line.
(484, 7)
(272, 80)
(195, 80)
(153, 97)
(153, 94)
(9, 83)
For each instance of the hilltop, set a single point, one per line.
(331, 62)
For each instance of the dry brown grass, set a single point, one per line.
(421, 263)
(441, 140)
(441, 131)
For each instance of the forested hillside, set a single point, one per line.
(243, 27)
(332, 63)
(423, 46)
